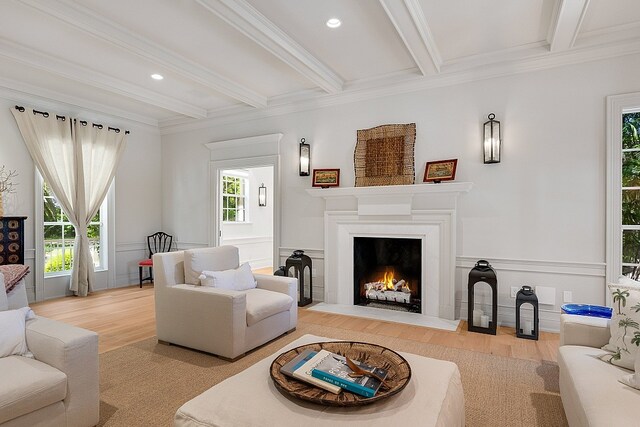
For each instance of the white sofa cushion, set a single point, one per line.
(590, 391)
(211, 259)
(4, 302)
(27, 385)
(262, 304)
(625, 326)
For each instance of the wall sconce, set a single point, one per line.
(492, 140)
(262, 195)
(305, 158)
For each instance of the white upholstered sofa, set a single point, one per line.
(60, 386)
(591, 393)
(226, 323)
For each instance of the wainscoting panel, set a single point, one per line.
(585, 281)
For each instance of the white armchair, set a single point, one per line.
(222, 322)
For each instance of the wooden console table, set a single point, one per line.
(12, 240)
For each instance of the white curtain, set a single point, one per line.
(78, 160)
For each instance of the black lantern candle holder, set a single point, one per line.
(299, 262)
(526, 295)
(483, 272)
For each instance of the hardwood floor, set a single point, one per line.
(126, 315)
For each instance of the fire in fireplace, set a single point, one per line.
(387, 273)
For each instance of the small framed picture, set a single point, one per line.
(326, 178)
(442, 170)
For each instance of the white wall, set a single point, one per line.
(539, 216)
(254, 238)
(137, 181)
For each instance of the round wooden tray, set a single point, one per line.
(398, 373)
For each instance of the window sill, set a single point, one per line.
(68, 273)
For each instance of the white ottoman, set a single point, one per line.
(433, 397)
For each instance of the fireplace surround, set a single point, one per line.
(425, 212)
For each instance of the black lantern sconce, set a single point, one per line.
(262, 195)
(299, 262)
(477, 320)
(492, 143)
(305, 158)
(528, 329)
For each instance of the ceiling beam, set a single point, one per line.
(409, 21)
(246, 19)
(565, 24)
(84, 19)
(78, 73)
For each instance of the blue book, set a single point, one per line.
(333, 369)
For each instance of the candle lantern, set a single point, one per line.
(478, 321)
(527, 329)
(281, 271)
(301, 263)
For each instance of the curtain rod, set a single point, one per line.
(63, 118)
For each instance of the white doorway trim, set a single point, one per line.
(232, 154)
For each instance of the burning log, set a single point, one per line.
(404, 297)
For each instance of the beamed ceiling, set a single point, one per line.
(223, 58)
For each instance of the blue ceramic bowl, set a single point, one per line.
(588, 310)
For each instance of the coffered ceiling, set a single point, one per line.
(244, 57)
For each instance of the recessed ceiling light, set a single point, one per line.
(157, 76)
(334, 23)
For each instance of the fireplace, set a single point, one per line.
(425, 212)
(387, 273)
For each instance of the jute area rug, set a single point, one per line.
(143, 384)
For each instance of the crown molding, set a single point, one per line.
(410, 24)
(565, 24)
(246, 19)
(86, 20)
(460, 72)
(24, 93)
(609, 34)
(43, 61)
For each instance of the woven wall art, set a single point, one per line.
(384, 155)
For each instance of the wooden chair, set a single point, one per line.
(157, 242)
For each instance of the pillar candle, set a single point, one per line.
(484, 321)
(477, 314)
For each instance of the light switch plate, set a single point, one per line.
(514, 291)
(567, 296)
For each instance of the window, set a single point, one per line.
(234, 199)
(630, 195)
(59, 235)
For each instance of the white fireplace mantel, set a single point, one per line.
(444, 187)
(392, 199)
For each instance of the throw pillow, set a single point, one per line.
(13, 338)
(624, 280)
(239, 279)
(633, 380)
(625, 326)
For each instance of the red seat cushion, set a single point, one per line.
(146, 263)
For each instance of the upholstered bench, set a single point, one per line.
(433, 397)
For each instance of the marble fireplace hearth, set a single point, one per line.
(424, 211)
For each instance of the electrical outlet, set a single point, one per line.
(514, 291)
(567, 296)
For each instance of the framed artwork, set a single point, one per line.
(326, 178)
(442, 170)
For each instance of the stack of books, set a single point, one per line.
(330, 372)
